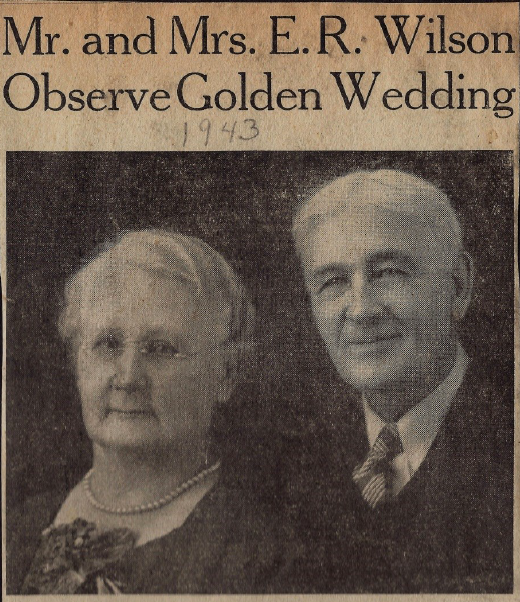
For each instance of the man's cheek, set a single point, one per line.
(330, 334)
(328, 321)
(405, 304)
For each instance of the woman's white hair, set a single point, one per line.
(389, 188)
(172, 256)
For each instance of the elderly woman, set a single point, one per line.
(159, 328)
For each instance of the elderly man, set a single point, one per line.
(418, 496)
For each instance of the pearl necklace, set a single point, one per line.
(167, 499)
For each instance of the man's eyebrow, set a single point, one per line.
(392, 255)
(330, 268)
(336, 267)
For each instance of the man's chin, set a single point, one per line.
(365, 376)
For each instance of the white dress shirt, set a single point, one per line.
(420, 425)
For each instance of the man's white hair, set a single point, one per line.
(388, 188)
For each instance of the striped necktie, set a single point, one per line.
(373, 475)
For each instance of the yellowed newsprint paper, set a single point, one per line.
(260, 299)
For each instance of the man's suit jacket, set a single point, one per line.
(449, 530)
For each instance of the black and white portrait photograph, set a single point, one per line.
(259, 372)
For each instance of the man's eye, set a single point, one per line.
(334, 282)
(160, 349)
(390, 271)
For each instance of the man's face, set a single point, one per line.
(148, 363)
(382, 292)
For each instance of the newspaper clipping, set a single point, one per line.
(260, 298)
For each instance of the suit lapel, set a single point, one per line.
(438, 478)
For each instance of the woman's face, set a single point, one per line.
(149, 365)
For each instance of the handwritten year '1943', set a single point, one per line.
(245, 129)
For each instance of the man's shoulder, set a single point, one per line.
(482, 410)
(473, 452)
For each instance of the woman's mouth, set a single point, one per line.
(128, 413)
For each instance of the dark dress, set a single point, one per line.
(227, 545)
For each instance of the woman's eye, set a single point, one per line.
(107, 343)
(160, 348)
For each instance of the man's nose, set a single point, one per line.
(363, 304)
(130, 371)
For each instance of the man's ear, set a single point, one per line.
(463, 274)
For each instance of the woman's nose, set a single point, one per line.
(130, 370)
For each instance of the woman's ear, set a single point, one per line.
(463, 274)
(226, 380)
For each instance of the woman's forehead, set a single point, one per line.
(141, 303)
(130, 282)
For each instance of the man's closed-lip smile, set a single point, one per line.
(367, 342)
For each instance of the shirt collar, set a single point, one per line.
(419, 426)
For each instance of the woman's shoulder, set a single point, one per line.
(28, 518)
(247, 540)
(25, 522)
(237, 510)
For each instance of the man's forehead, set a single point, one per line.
(367, 225)
(366, 230)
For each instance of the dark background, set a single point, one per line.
(61, 205)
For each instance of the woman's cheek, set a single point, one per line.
(93, 378)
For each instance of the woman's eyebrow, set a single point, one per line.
(161, 333)
(106, 330)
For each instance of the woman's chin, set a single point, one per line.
(124, 432)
